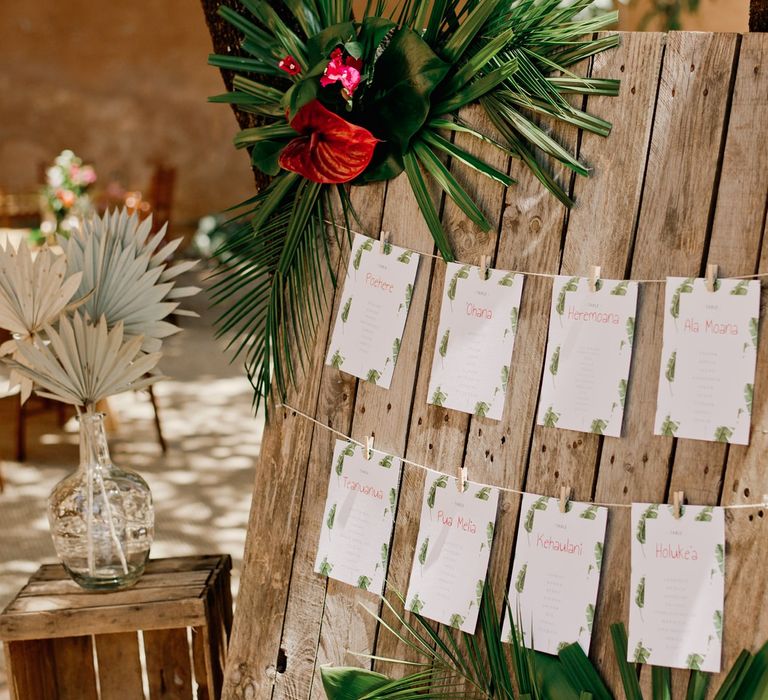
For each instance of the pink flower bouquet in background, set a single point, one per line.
(66, 190)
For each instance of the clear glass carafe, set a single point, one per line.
(101, 517)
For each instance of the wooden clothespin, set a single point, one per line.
(677, 503)
(594, 277)
(711, 278)
(368, 447)
(485, 261)
(383, 240)
(565, 495)
(462, 483)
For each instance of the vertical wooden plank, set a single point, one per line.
(739, 229)
(385, 415)
(168, 665)
(601, 232)
(119, 666)
(73, 668)
(275, 509)
(304, 612)
(30, 669)
(437, 436)
(672, 226)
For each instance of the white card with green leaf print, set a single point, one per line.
(677, 586)
(377, 294)
(452, 551)
(358, 518)
(475, 339)
(707, 372)
(589, 351)
(556, 573)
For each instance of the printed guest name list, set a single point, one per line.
(475, 340)
(677, 586)
(556, 573)
(452, 551)
(589, 351)
(368, 332)
(358, 518)
(707, 372)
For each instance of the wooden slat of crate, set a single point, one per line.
(119, 666)
(168, 664)
(73, 668)
(30, 669)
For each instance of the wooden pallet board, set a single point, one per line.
(681, 182)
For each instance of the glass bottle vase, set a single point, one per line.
(101, 517)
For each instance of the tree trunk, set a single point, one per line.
(758, 16)
(226, 41)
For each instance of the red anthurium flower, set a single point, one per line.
(329, 149)
(289, 65)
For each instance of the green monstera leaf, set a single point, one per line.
(685, 287)
(417, 604)
(363, 582)
(397, 100)
(348, 451)
(325, 567)
(570, 286)
(439, 483)
(550, 418)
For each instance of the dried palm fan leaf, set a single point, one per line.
(33, 292)
(84, 363)
(131, 275)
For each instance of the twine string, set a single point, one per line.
(506, 489)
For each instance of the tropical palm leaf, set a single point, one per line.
(272, 277)
(514, 58)
(469, 666)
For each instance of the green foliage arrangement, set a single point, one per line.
(481, 667)
(349, 101)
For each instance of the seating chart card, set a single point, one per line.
(358, 518)
(556, 573)
(589, 350)
(707, 372)
(452, 551)
(377, 294)
(475, 338)
(676, 598)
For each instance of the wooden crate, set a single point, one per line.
(64, 642)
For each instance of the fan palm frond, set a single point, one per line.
(33, 290)
(130, 273)
(82, 363)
